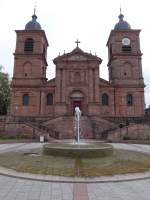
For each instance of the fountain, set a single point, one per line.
(77, 117)
(78, 149)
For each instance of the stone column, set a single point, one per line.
(58, 83)
(96, 78)
(63, 85)
(43, 103)
(90, 85)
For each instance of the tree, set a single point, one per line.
(4, 92)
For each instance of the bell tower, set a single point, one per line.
(124, 55)
(30, 55)
(125, 69)
(29, 75)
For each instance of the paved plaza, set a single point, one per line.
(125, 187)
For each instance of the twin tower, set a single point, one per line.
(77, 81)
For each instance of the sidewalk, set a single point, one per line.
(23, 186)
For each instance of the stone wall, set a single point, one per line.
(101, 127)
(131, 132)
(63, 127)
(9, 127)
(2, 127)
(2, 124)
(18, 129)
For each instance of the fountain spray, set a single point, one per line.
(77, 123)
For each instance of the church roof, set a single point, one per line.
(122, 25)
(104, 82)
(51, 82)
(77, 55)
(33, 24)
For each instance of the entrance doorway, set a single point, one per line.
(77, 99)
(77, 104)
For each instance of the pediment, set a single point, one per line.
(77, 55)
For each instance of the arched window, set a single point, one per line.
(25, 100)
(50, 99)
(129, 100)
(28, 46)
(105, 100)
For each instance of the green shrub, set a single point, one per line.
(15, 137)
(7, 137)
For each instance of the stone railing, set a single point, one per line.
(43, 129)
(118, 120)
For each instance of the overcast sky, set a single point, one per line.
(64, 21)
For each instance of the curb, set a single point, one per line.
(47, 178)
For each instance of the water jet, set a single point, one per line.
(78, 149)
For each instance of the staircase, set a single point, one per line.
(35, 126)
(39, 129)
(64, 127)
(101, 127)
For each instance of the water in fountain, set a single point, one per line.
(77, 117)
(78, 149)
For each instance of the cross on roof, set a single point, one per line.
(77, 42)
(120, 10)
(35, 8)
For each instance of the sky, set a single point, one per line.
(65, 21)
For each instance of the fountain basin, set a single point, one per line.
(83, 150)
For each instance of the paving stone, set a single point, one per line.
(20, 189)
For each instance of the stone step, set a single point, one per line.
(65, 127)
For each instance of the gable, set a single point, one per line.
(77, 58)
(77, 55)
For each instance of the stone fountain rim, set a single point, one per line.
(76, 152)
(77, 147)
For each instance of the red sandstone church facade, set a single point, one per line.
(77, 81)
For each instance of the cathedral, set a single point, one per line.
(77, 81)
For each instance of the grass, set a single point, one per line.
(8, 137)
(14, 137)
(120, 163)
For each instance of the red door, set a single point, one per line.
(76, 104)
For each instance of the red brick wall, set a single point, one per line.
(133, 131)
(77, 71)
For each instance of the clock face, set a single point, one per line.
(126, 41)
